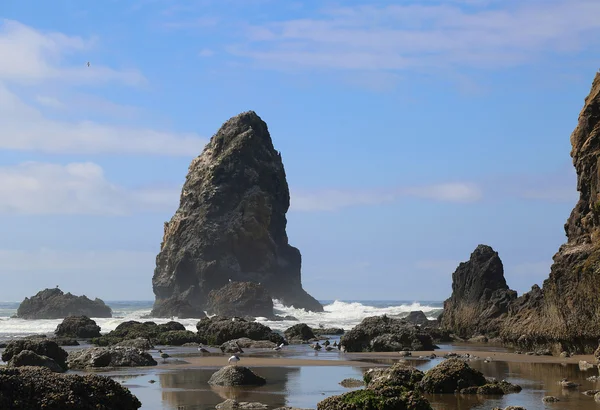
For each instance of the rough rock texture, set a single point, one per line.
(37, 388)
(450, 376)
(241, 299)
(231, 222)
(246, 343)
(41, 347)
(218, 330)
(480, 296)
(299, 333)
(384, 334)
(29, 358)
(597, 354)
(352, 383)
(134, 330)
(394, 388)
(138, 343)
(54, 304)
(176, 338)
(566, 316)
(114, 356)
(78, 326)
(236, 376)
(177, 307)
(418, 318)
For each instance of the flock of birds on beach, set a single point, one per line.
(234, 359)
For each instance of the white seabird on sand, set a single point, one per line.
(234, 359)
(279, 347)
(202, 350)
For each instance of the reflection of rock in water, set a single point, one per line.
(537, 379)
(191, 388)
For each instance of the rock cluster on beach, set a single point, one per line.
(33, 388)
(78, 327)
(170, 333)
(114, 356)
(219, 329)
(231, 223)
(480, 296)
(40, 352)
(385, 334)
(55, 304)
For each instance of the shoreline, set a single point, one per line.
(364, 359)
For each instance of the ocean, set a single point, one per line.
(341, 314)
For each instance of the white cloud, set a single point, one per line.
(331, 200)
(24, 127)
(76, 188)
(30, 57)
(34, 58)
(448, 192)
(426, 35)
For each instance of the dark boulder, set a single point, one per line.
(114, 356)
(417, 317)
(241, 299)
(493, 388)
(78, 326)
(384, 334)
(327, 331)
(41, 347)
(138, 343)
(54, 304)
(235, 376)
(218, 330)
(176, 337)
(177, 307)
(299, 333)
(29, 358)
(65, 341)
(480, 296)
(387, 389)
(37, 388)
(147, 330)
(246, 343)
(450, 376)
(231, 223)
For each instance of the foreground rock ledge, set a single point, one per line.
(37, 388)
(231, 223)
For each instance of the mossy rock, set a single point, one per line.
(450, 376)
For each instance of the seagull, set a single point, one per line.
(234, 359)
(565, 383)
(230, 280)
(163, 355)
(202, 350)
(278, 348)
(88, 63)
(316, 346)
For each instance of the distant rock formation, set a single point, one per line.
(564, 313)
(480, 296)
(231, 223)
(54, 304)
(241, 299)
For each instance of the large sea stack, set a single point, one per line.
(565, 313)
(231, 224)
(480, 296)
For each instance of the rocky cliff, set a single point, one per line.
(231, 223)
(566, 312)
(480, 296)
(55, 304)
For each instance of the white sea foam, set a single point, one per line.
(337, 314)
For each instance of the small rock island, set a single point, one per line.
(55, 304)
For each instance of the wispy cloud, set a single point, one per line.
(30, 57)
(420, 35)
(331, 200)
(78, 188)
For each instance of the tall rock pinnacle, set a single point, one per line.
(231, 224)
(565, 311)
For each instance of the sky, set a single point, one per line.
(411, 131)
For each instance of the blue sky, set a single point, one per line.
(411, 131)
